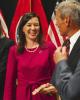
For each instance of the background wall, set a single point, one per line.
(8, 8)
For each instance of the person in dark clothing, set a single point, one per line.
(5, 44)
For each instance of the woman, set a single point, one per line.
(30, 62)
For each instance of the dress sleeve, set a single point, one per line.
(11, 73)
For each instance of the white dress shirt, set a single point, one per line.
(73, 40)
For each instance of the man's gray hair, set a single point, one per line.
(70, 8)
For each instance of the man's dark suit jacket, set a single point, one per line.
(68, 83)
(72, 63)
(5, 44)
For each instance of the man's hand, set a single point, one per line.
(45, 89)
(60, 54)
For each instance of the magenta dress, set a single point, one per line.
(31, 69)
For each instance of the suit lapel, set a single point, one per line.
(74, 55)
(76, 47)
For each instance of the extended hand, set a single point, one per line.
(45, 89)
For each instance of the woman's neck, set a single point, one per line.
(32, 44)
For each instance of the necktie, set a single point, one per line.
(67, 44)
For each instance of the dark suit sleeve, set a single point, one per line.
(3, 59)
(4, 50)
(67, 83)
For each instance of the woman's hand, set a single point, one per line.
(45, 89)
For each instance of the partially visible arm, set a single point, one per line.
(4, 53)
(68, 84)
(4, 50)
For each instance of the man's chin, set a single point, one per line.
(63, 35)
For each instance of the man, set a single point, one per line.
(67, 15)
(5, 44)
(67, 83)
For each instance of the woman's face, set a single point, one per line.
(32, 28)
